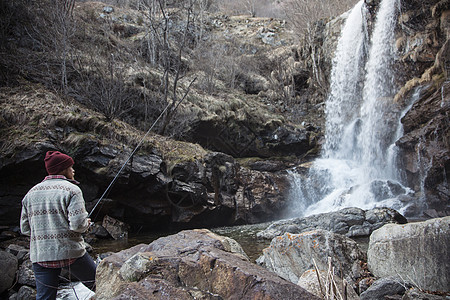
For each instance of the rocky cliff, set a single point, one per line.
(423, 62)
(240, 133)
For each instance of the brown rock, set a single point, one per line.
(190, 264)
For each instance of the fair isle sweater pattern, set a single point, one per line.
(54, 216)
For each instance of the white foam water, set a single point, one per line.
(357, 167)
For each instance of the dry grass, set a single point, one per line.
(30, 114)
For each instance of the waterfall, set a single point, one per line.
(345, 83)
(357, 166)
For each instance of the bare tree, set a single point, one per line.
(168, 53)
(303, 15)
(54, 33)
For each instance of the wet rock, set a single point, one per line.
(99, 231)
(427, 161)
(386, 189)
(389, 286)
(194, 263)
(117, 229)
(414, 251)
(290, 255)
(8, 267)
(350, 222)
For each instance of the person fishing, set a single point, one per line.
(54, 216)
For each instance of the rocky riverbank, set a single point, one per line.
(404, 261)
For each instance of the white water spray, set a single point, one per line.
(345, 83)
(357, 167)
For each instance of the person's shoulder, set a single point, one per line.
(71, 185)
(59, 184)
(37, 186)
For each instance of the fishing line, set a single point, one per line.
(138, 145)
(129, 157)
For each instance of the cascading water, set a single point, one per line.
(357, 167)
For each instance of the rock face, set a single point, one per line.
(416, 252)
(423, 47)
(350, 222)
(247, 138)
(191, 264)
(427, 161)
(290, 255)
(210, 191)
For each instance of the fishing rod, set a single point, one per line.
(138, 145)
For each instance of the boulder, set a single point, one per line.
(19, 251)
(25, 275)
(99, 231)
(417, 252)
(193, 264)
(310, 282)
(351, 222)
(117, 229)
(26, 293)
(8, 265)
(290, 255)
(388, 286)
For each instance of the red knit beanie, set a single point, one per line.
(56, 162)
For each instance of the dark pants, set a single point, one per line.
(47, 279)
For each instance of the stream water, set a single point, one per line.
(245, 235)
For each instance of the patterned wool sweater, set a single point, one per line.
(54, 216)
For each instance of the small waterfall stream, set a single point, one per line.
(358, 162)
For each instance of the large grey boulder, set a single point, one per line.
(193, 264)
(8, 267)
(417, 252)
(290, 255)
(350, 222)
